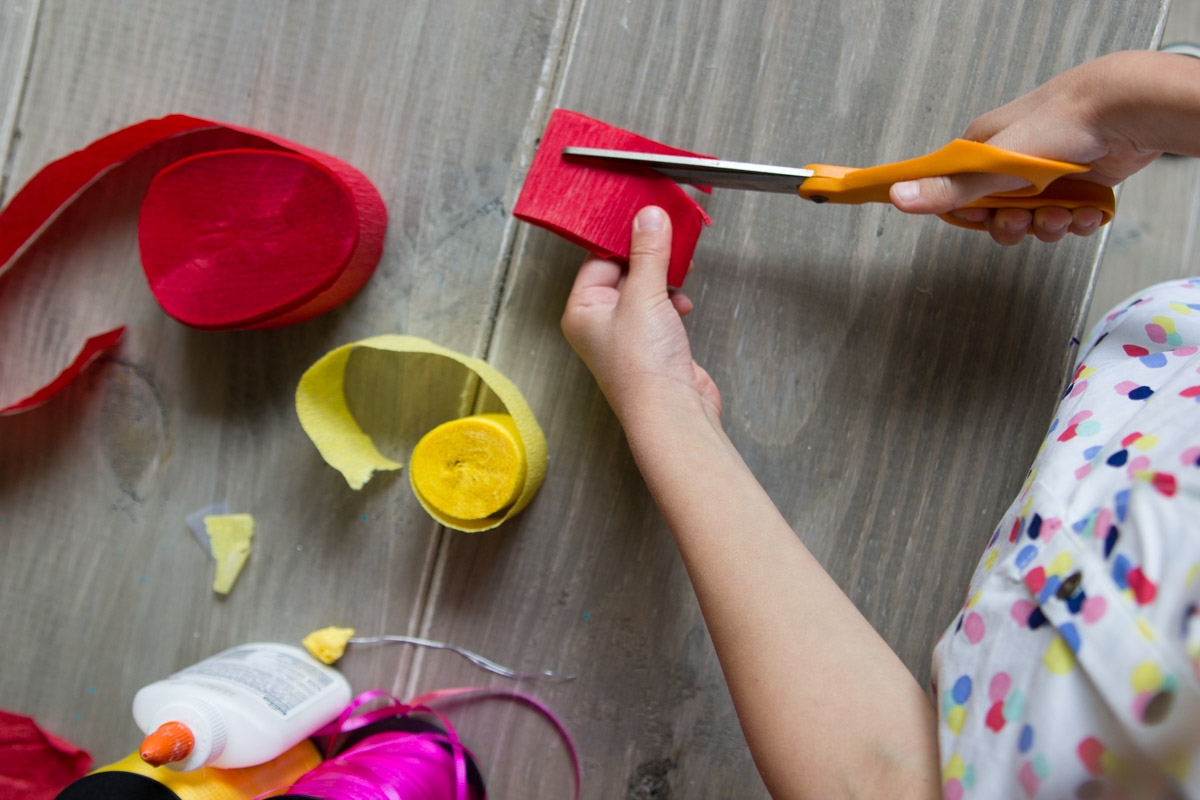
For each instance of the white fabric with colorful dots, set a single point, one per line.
(1072, 671)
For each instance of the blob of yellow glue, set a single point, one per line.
(230, 536)
(325, 415)
(328, 644)
(470, 468)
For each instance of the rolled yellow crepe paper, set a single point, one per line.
(326, 418)
(469, 469)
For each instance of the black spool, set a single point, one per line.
(116, 786)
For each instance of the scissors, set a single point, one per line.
(823, 183)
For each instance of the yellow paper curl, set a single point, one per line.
(326, 417)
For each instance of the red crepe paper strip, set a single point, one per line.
(595, 207)
(35, 764)
(92, 349)
(230, 239)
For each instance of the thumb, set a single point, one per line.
(948, 192)
(649, 253)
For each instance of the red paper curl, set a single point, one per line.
(229, 239)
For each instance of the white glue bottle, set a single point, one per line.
(239, 708)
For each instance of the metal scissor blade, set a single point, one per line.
(701, 171)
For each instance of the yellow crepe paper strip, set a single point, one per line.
(469, 468)
(229, 535)
(326, 418)
(321, 406)
(328, 644)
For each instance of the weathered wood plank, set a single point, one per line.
(103, 589)
(887, 378)
(1156, 236)
(18, 21)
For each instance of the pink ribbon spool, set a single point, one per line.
(402, 765)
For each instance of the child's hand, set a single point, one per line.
(1118, 113)
(626, 326)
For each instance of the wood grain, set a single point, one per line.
(887, 378)
(18, 20)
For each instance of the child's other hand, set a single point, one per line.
(1112, 113)
(626, 326)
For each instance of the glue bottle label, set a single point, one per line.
(279, 679)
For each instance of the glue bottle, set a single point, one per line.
(239, 708)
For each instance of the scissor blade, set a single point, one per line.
(701, 171)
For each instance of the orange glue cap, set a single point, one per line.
(172, 741)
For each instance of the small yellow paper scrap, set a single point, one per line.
(230, 536)
(328, 644)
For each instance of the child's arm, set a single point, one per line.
(1118, 112)
(827, 708)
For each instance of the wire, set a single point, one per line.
(474, 658)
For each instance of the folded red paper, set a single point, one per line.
(229, 239)
(34, 764)
(595, 207)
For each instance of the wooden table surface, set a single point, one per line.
(888, 378)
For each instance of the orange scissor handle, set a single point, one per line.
(871, 184)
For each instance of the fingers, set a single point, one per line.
(596, 288)
(1086, 221)
(602, 285)
(948, 192)
(682, 303)
(1051, 224)
(650, 256)
(649, 253)
(597, 273)
(1009, 226)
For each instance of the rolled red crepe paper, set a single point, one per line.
(35, 764)
(595, 207)
(230, 239)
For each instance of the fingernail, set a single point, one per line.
(650, 218)
(907, 191)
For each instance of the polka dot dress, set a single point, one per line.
(1073, 670)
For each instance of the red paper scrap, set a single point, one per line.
(35, 764)
(229, 239)
(595, 207)
(92, 349)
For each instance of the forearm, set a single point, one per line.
(796, 653)
(1152, 98)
